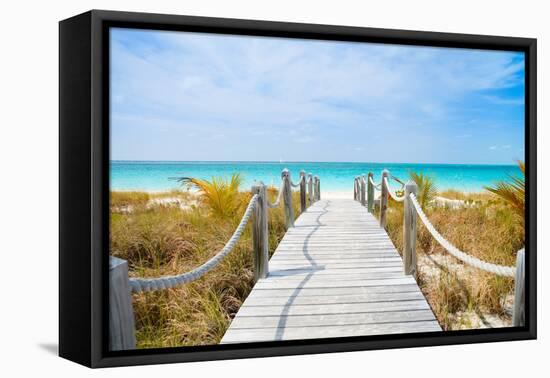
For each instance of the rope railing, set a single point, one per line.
(500, 270)
(298, 183)
(376, 186)
(148, 284)
(392, 194)
(412, 208)
(121, 315)
(279, 196)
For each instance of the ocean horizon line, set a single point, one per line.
(335, 176)
(308, 162)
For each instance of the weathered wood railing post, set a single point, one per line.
(260, 240)
(518, 317)
(370, 193)
(383, 199)
(363, 197)
(310, 188)
(303, 200)
(287, 196)
(355, 189)
(409, 230)
(121, 313)
(316, 187)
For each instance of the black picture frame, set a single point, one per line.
(84, 181)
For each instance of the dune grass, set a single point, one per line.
(489, 230)
(160, 239)
(468, 197)
(220, 195)
(164, 238)
(512, 192)
(125, 199)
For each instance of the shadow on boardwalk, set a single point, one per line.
(314, 267)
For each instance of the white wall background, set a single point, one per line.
(29, 185)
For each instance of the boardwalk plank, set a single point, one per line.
(265, 300)
(332, 319)
(331, 291)
(335, 274)
(338, 308)
(299, 333)
(339, 265)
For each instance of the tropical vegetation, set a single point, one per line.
(512, 192)
(488, 227)
(170, 233)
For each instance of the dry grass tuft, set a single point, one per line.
(162, 239)
(490, 231)
(125, 199)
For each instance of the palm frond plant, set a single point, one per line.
(427, 190)
(220, 195)
(512, 192)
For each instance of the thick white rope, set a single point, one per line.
(149, 284)
(376, 187)
(279, 196)
(507, 271)
(392, 194)
(298, 184)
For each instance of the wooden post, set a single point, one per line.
(303, 200)
(259, 233)
(518, 318)
(409, 230)
(363, 197)
(310, 188)
(358, 180)
(383, 199)
(287, 195)
(355, 189)
(316, 188)
(121, 313)
(370, 193)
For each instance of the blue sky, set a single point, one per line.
(186, 96)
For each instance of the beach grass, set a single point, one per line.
(171, 237)
(124, 199)
(488, 229)
(167, 233)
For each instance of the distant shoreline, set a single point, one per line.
(335, 177)
(303, 162)
(329, 194)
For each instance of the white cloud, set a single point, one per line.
(307, 79)
(271, 88)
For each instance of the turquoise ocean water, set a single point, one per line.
(155, 176)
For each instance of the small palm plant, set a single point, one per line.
(427, 191)
(512, 192)
(220, 194)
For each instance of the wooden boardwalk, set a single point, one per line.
(335, 274)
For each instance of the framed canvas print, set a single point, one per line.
(234, 188)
